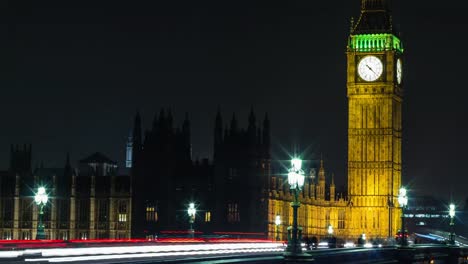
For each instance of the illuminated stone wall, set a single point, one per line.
(374, 138)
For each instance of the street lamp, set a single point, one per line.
(41, 199)
(330, 230)
(277, 223)
(191, 212)
(403, 201)
(296, 180)
(331, 239)
(452, 224)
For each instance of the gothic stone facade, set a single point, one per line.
(88, 202)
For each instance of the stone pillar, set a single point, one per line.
(53, 210)
(112, 209)
(16, 209)
(129, 214)
(92, 210)
(130, 210)
(72, 230)
(34, 218)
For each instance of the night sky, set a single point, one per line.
(73, 74)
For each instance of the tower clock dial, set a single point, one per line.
(370, 68)
(399, 71)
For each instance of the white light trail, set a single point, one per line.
(148, 249)
(10, 254)
(254, 248)
(135, 251)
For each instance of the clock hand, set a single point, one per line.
(371, 69)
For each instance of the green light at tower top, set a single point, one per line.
(375, 42)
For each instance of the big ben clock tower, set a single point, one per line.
(375, 92)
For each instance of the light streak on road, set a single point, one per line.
(117, 252)
(152, 255)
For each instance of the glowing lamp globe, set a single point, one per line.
(278, 220)
(452, 210)
(296, 163)
(402, 198)
(41, 196)
(191, 210)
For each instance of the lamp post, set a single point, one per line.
(41, 199)
(191, 212)
(403, 201)
(296, 181)
(452, 224)
(331, 238)
(330, 230)
(277, 223)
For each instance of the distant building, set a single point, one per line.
(91, 201)
(128, 156)
(427, 214)
(165, 179)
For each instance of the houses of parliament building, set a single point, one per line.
(240, 189)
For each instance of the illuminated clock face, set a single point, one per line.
(399, 71)
(370, 68)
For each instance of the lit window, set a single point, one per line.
(122, 211)
(122, 218)
(207, 216)
(233, 213)
(341, 219)
(151, 214)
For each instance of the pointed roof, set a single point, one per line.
(321, 171)
(375, 18)
(98, 158)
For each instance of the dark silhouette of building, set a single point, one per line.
(241, 175)
(164, 176)
(166, 179)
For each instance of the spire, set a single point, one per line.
(321, 171)
(332, 189)
(162, 119)
(375, 18)
(129, 150)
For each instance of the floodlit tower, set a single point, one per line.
(375, 95)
